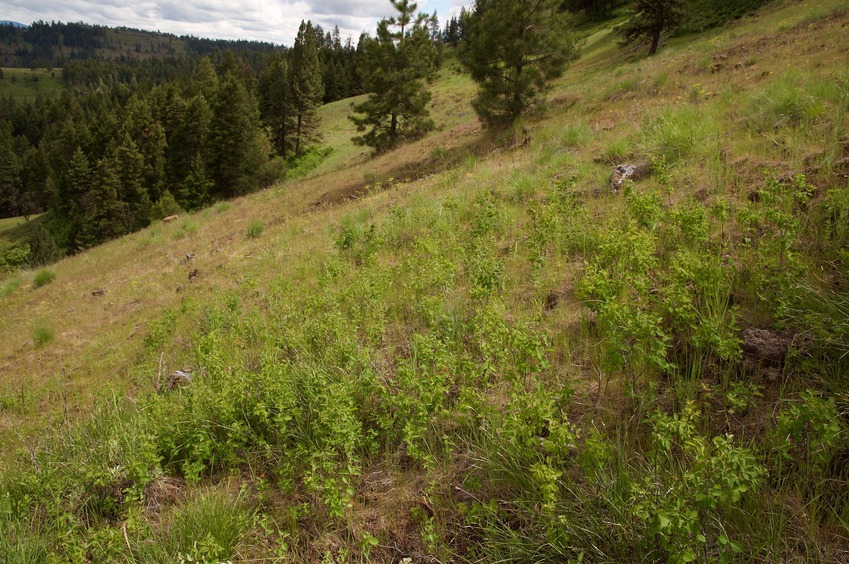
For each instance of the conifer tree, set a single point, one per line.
(103, 214)
(11, 193)
(127, 163)
(149, 137)
(231, 137)
(205, 80)
(653, 17)
(396, 65)
(274, 103)
(513, 50)
(305, 86)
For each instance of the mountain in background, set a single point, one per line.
(13, 24)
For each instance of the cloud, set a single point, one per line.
(274, 21)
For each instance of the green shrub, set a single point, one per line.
(254, 229)
(43, 277)
(14, 258)
(272, 172)
(165, 206)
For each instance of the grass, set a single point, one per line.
(10, 285)
(42, 333)
(491, 359)
(27, 85)
(43, 277)
(254, 229)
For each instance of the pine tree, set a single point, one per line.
(149, 137)
(653, 17)
(513, 50)
(205, 80)
(395, 66)
(127, 162)
(11, 193)
(104, 215)
(305, 86)
(274, 103)
(231, 137)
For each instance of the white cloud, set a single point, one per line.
(276, 21)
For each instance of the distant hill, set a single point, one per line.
(13, 24)
(53, 44)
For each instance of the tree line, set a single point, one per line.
(127, 143)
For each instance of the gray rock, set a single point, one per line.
(764, 344)
(176, 379)
(623, 172)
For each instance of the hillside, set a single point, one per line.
(471, 349)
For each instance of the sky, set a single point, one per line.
(275, 21)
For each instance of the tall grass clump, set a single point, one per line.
(254, 229)
(42, 333)
(10, 285)
(43, 277)
(679, 134)
(208, 527)
(791, 102)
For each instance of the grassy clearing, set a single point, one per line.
(27, 84)
(493, 360)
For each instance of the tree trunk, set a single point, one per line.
(393, 127)
(298, 137)
(655, 42)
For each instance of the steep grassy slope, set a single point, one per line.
(470, 349)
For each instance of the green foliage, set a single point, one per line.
(43, 277)
(707, 14)
(807, 433)
(396, 67)
(698, 478)
(652, 18)
(165, 206)
(306, 88)
(513, 50)
(15, 257)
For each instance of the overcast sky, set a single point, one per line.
(262, 20)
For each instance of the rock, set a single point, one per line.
(764, 344)
(627, 172)
(194, 274)
(176, 379)
(189, 257)
(170, 218)
(99, 292)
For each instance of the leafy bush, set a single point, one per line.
(165, 206)
(14, 258)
